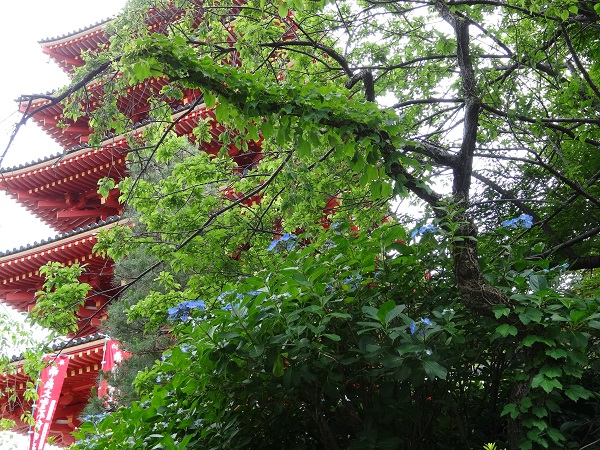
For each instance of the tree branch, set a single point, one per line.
(578, 63)
(522, 206)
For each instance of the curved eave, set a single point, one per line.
(80, 33)
(51, 170)
(65, 133)
(43, 187)
(62, 191)
(76, 135)
(66, 50)
(20, 278)
(60, 239)
(116, 144)
(73, 347)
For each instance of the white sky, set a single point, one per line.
(26, 70)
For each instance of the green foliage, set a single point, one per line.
(324, 323)
(19, 337)
(347, 345)
(105, 185)
(146, 347)
(61, 296)
(6, 424)
(490, 446)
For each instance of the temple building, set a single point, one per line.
(62, 191)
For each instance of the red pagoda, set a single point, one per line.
(61, 190)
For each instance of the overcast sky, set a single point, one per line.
(26, 70)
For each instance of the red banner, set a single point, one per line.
(113, 355)
(51, 382)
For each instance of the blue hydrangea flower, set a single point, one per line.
(424, 229)
(239, 297)
(560, 268)
(182, 311)
(523, 221)
(353, 281)
(223, 295)
(286, 242)
(417, 325)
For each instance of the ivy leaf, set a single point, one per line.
(511, 409)
(267, 129)
(105, 185)
(506, 329)
(141, 69)
(282, 10)
(556, 353)
(252, 131)
(555, 434)
(547, 384)
(551, 371)
(575, 392)
(530, 340)
(209, 99)
(303, 147)
(501, 310)
(534, 314)
(222, 112)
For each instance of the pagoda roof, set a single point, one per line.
(76, 33)
(52, 187)
(66, 50)
(86, 355)
(93, 227)
(67, 347)
(20, 278)
(52, 157)
(65, 132)
(69, 133)
(74, 136)
(186, 118)
(61, 190)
